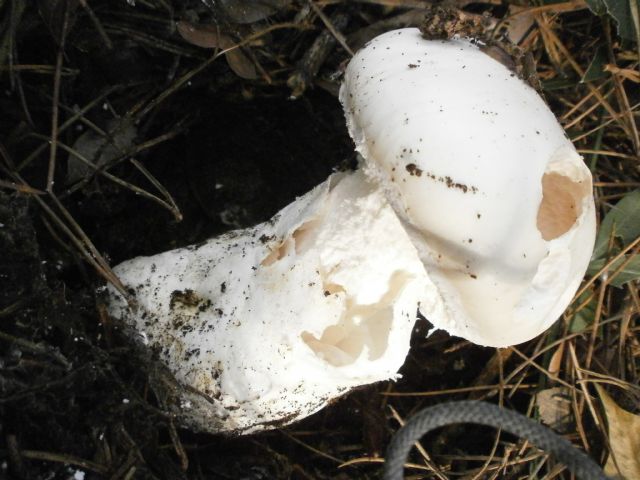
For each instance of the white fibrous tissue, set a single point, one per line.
(471, 206)
(271, 323)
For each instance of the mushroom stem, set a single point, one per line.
(270, 323)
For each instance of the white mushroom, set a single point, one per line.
(471, 205)
(271, 323)
(494, 195)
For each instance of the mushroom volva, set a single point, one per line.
(470, 205)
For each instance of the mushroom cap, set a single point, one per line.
(265, 326)
(494, 195)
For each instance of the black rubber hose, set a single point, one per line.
(483, 413)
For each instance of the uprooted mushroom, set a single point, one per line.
(470, 205)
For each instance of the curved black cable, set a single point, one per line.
(483, 413)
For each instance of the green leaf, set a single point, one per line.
(559, 84)
(584, 317)
(622, 221)
(581, 320)
(597, 6)
(595, 71)
(630, 272)
(620, 10)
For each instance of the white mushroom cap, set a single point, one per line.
(271, 323)
(493, 193)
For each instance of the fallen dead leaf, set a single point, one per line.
(241, 64)
(99, 149)
(624, 440)
(556, 360)
(554, 408)
(210, 36)
(205, 36)
(519, 22)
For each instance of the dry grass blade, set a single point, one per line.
(312, 449)
(583, 386)
(56, 103)
(623, 98)
(492, 389)
(624, 73)
(82, 241)
(21, 188)
(39, 69)
(327, 23)
(168, 203)
(367, 460)
(560, 7)
(588, 111)
(556, 48)
(67, 124)
(84, 245)
(33, 347)
(529, 361)
(65, 459)
(178, 447)
(97, 24)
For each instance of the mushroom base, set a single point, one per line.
(262, 327)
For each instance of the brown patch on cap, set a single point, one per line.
(561, 204)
